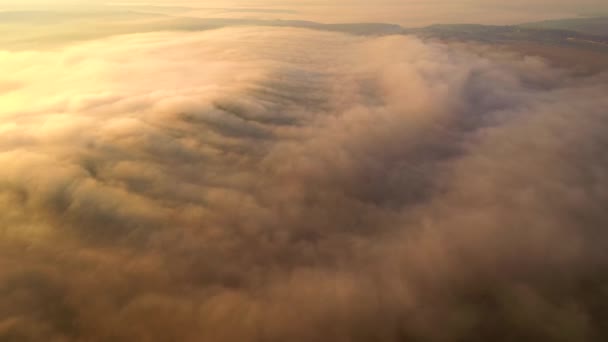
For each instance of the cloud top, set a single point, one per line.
(260, 184)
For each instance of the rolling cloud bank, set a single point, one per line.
(277, 184)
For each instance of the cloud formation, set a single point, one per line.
(260, 184)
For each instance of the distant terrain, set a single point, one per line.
(32, 26)
(577, 49)
(596, 26)
(500, 34)
(570, 42)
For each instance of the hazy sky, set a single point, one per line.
(407, 13)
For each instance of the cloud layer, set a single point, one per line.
(261, 184)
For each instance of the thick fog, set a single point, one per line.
(260, 184)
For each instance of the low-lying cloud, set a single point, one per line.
(260, 184)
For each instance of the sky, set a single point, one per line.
(269, 184)
(408, 13)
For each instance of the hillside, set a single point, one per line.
(595, 26)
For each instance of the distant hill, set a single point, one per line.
(39, 29)
(596, 26)
(575, 50)
(512, 34)
(195, 24)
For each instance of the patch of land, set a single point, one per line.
(571, 43)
